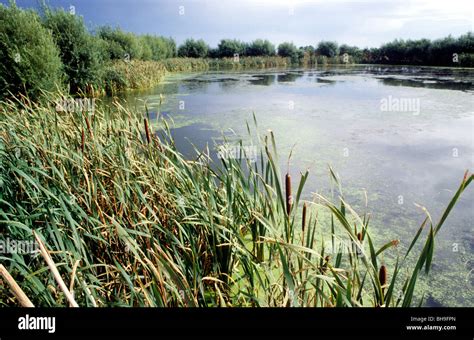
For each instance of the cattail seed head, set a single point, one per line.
(83, 140)
(359, 237)
(383, 275)
(303, 223)
(289, 198)
(89, 126)
(147, 132)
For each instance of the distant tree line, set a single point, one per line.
(40, 50)
(448, 51)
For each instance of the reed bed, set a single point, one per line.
(248, 63)
(126, 220)
(137, 74)
(185, 64)
(133, 74)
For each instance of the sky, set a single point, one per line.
(363, 23)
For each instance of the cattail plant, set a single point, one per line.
(138, 248)
(383, 277)
(147, 131)
(83, 140)
(88, 126)
(289, 198)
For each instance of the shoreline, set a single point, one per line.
(146, 80)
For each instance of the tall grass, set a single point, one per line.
(249, 62)
(137, 74)
(134, 74)
(128, 221)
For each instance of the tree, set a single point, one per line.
(120, 44)
(287, 49)
(309, 49)
(260, 47)
(147, 52)
(80, 52)
(328, 48)
(228, 48)
(29, 58)
(161, 47)
(213, 53)
(193, 49)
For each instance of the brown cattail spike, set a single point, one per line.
(383, 276)
(289, 198)
(359, 237)
(303, 222)
(89, 126)
(147, 131)
(83, 140)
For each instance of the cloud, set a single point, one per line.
(305, 22)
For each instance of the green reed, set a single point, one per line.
(129, 221)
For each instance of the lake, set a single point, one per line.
(402, 135)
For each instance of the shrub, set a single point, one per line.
(29, 58)
(80, 52)
(147, 52)
(260, 47)
(120, 44)
(328, 48)
(423, 51)
(228, 48)
(161, 48)
(114, 81)
(193, 49)
(288, 50)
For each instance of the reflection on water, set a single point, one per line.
(429, 82)
(264, 79)
(333, 116)
(289, 76)
(192, 139)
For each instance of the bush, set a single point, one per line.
(114, 81)
(147, 52)
(193, 49)
(213, 53)
(161, 48)
(228, 48)
(423, 51)
(260, 47)
(81, 53)
(120, 44)
(289, 50)
(328, 48)
(466, 59)
(29, 58)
